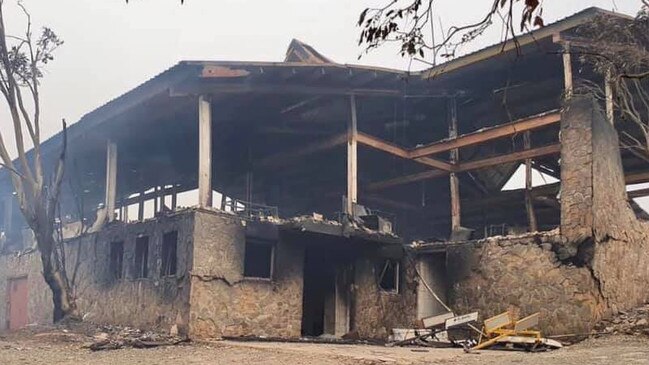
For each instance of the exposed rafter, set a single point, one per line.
(393, 149)
(637, 178)
(488, 134)
(467, 166)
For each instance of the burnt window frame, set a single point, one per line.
(116, 261)
(164, 272)
(141, 262)
(259, 242)
(397, 275)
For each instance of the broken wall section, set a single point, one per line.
(524, 274)
(620, 261)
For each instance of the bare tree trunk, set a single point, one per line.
(62, 298)
(53, 262)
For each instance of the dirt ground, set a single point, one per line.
(67, 348)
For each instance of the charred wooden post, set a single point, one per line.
(454, 159)
(204, 152)
(174, 197)
(352, 159)
(156, 195)
(111, 180)
(529, 202)
(140, 207)
(249, 185)
(125, 213)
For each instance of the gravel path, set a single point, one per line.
(66, 348)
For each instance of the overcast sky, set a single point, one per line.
(111, 47)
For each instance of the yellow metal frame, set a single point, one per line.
(504, 325)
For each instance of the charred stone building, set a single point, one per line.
(333, 198)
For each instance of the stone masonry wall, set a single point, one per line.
(150, 303)
(524, 274)
(377, 312)
(576, 174)
(620, 262)
(597, 265)
(223, 302)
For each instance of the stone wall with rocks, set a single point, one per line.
(155, 302)
(377, 312)
(223, 302)
(524, 274)
(620, 256)
(595, 266)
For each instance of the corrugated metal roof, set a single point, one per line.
(531, 37)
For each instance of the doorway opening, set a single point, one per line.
(327, 299)
(17, 304)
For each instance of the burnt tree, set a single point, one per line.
(37, 188)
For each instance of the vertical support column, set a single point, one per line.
(577, 172)
(352, 159)
(156, 196)
(567, 71)
(454, 158)
(204, 152)
(8, 210)
(140, 207)
(125, 213)
(608, 90)
(249, 184)
(342, 310)
(174, 197)
(529, 203)
(111, 180)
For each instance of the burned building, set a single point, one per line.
(307, 197)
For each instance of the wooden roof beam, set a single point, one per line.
(467, 166)
(637, 178)
(488, 134)
(513, 157)
(393, 149)
(638, 193)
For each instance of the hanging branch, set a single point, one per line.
(405, 23)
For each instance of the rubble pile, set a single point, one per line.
(113, 337)
(633, 322)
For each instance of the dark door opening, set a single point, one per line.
(318, 294)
